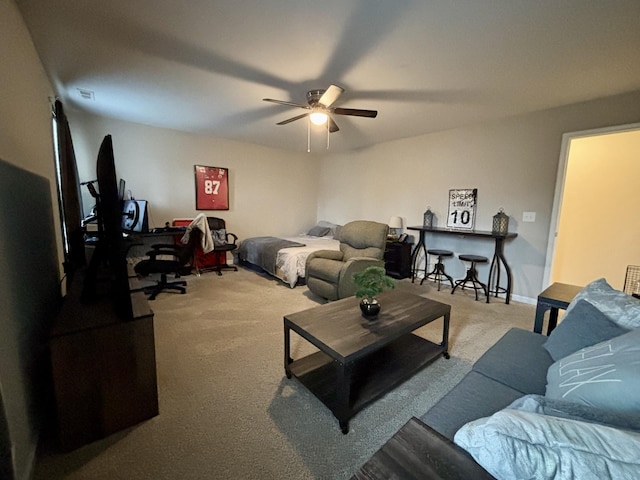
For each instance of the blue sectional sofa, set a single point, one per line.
(515, 366)
(565, 406)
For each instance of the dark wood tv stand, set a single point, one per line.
(103, 368)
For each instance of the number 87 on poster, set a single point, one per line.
(212, 188)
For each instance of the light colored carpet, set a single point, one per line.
(227, 411)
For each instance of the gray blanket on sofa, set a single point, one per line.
(262, 251)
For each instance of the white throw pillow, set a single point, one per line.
(513, 444)
(621, 308)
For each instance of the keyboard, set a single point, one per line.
(168, 229)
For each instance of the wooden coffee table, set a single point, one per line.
(360, 360)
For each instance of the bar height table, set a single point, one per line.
(497, 263)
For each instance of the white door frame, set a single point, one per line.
(560, 180)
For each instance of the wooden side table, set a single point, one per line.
(556, 296)
(417, 451)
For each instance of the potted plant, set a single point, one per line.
(370, 282)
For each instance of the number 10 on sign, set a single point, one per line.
(462, 208)
(212, 188)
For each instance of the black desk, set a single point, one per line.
(138, 243)
(497, 263)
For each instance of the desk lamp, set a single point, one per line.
(395, 224)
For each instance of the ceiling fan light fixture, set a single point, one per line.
(318, 118)
(320, 110)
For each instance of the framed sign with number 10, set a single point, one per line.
(212, 188)
(462, 208)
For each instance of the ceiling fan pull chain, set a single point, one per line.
(327, 134)
(308, 136)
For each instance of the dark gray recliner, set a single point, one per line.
(329, 273)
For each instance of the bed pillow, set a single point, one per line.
(583, 326)
(518, 444)
(605, 375)
(618, 306)
(332, 227)
(318, 231)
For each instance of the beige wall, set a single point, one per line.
(25, 111)
(25, 136)
(25, 141)
(512, 162)
(272, 192)
(599, 232)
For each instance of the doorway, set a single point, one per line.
(595, 231)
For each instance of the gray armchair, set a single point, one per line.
(329, 273)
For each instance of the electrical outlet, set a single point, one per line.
(528, 216)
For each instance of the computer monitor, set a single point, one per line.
(135, 216)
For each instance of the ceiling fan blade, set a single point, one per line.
(333, 126)
(282, 102)
(356, 112)
(293, 119)
(330, 95)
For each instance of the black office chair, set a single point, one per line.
(179, 265)
(223, 242)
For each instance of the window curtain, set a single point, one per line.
(69, 196)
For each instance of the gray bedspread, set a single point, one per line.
(262, 251)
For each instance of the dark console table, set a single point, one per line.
(497, 263)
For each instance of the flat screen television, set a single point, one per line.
(109, 257)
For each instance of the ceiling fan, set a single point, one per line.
(320, 109)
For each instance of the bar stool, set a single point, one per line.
(438, 269)
(472, 275)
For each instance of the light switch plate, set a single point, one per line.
(528, 216)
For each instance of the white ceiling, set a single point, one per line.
(426, 65)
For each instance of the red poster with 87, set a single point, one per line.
(212, 188)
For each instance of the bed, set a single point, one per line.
(285, 257)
